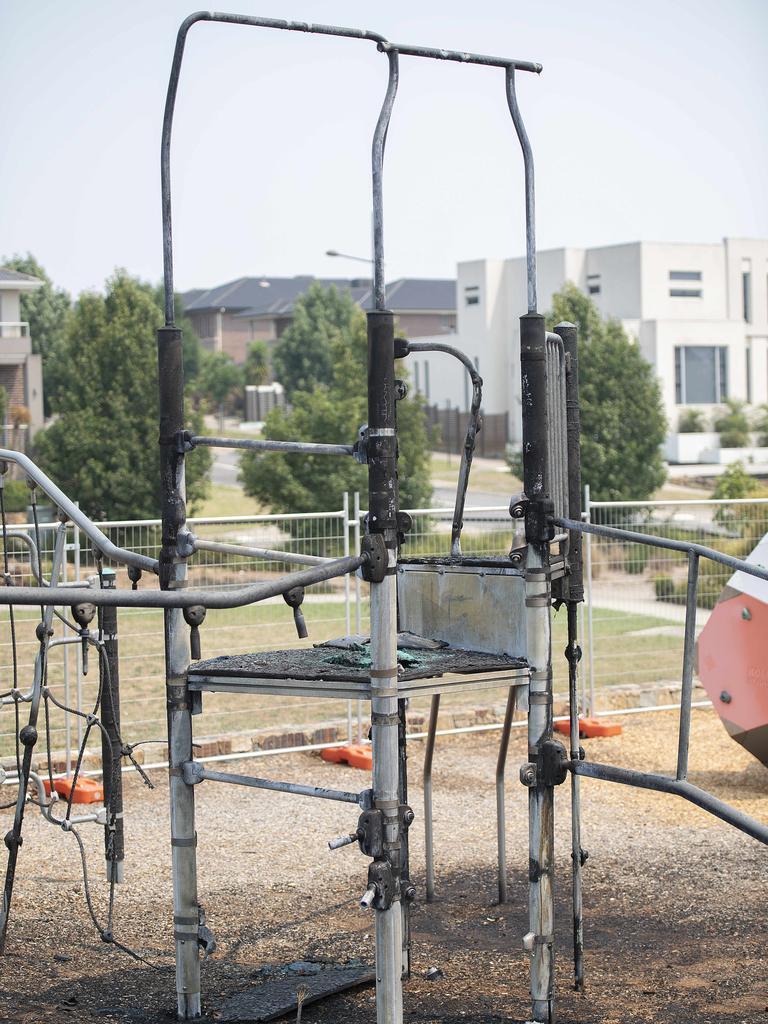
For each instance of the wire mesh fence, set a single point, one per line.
(632, 624)
(635, 593)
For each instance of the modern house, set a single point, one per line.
(228, 317)
(699, 313)
(21, 372)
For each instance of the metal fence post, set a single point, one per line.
(347, 596)
(109, 669)
(590, 622)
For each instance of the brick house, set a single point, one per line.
(230, 316)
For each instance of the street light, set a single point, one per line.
(346, 256)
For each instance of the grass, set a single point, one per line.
(227, 500)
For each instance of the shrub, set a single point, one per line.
(636, 558)
(733, 425)
(16, 494)
(664, 587)
(761, 425)
(691, 421)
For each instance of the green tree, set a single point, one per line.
(256, 368)
(219, 378)
(735, 482)
(302, 356)
(102, 449)
(333, 412)
(622, 417)
(47, 310)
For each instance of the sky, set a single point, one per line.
(648, 122)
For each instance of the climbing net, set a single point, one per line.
(103, 718)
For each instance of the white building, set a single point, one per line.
(698, 312)
(21, 371)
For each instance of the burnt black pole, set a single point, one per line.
(574, 594)
(109, 676)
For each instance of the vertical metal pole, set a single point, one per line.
(347, 597)
(382, 521)
(689, 646)
(429, 840)
(114, 833)
(358, 601)
(405, 872)
(539, 532)
(173, 575)
(575, 597)
(501, 815)
(590, 603)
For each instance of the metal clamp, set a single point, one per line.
(375, 568)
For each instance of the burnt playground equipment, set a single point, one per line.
(436, 625)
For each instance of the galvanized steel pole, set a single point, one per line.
(540, 938)
(173, 576)
(111, 754)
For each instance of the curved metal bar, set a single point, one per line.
(675, 787)
(462, 57)
(34, 556)
(78, 517)
(473, 428)
(235, 598)
(170, 104)
(737, 564)
(268, 445)
(530, 194)
(377, 170)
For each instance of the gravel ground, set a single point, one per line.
(674, 900)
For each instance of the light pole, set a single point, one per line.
(346, 256)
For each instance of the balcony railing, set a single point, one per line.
(14, 329)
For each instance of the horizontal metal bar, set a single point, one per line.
(737, 564)
(235, 598)
(298, 447)
(684, 502)
(194, 773)
(271, 555)
(79, 518)
(675, 787)
(461, 57)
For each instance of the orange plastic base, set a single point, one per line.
(589, 728)
(356, 755)
(87, 791)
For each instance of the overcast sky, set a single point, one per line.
(648, 122)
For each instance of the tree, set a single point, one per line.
(47, 310)
(218, 378)
(333, 412)
(102, 449)
(622, 416)
(302, 357)
(256, 368)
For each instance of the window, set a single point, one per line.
(593, 284)
(746, 295)
(426, 379)
(685, 275)
(685, 293)
(416, 377)
(472, 295)
(701, 374)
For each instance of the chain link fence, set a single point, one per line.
(632, 623)
(635, 594)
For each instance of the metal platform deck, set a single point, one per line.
(340, 669)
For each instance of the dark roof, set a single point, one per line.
(13, 275)
(275, 296)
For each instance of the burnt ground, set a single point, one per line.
(675, 901)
